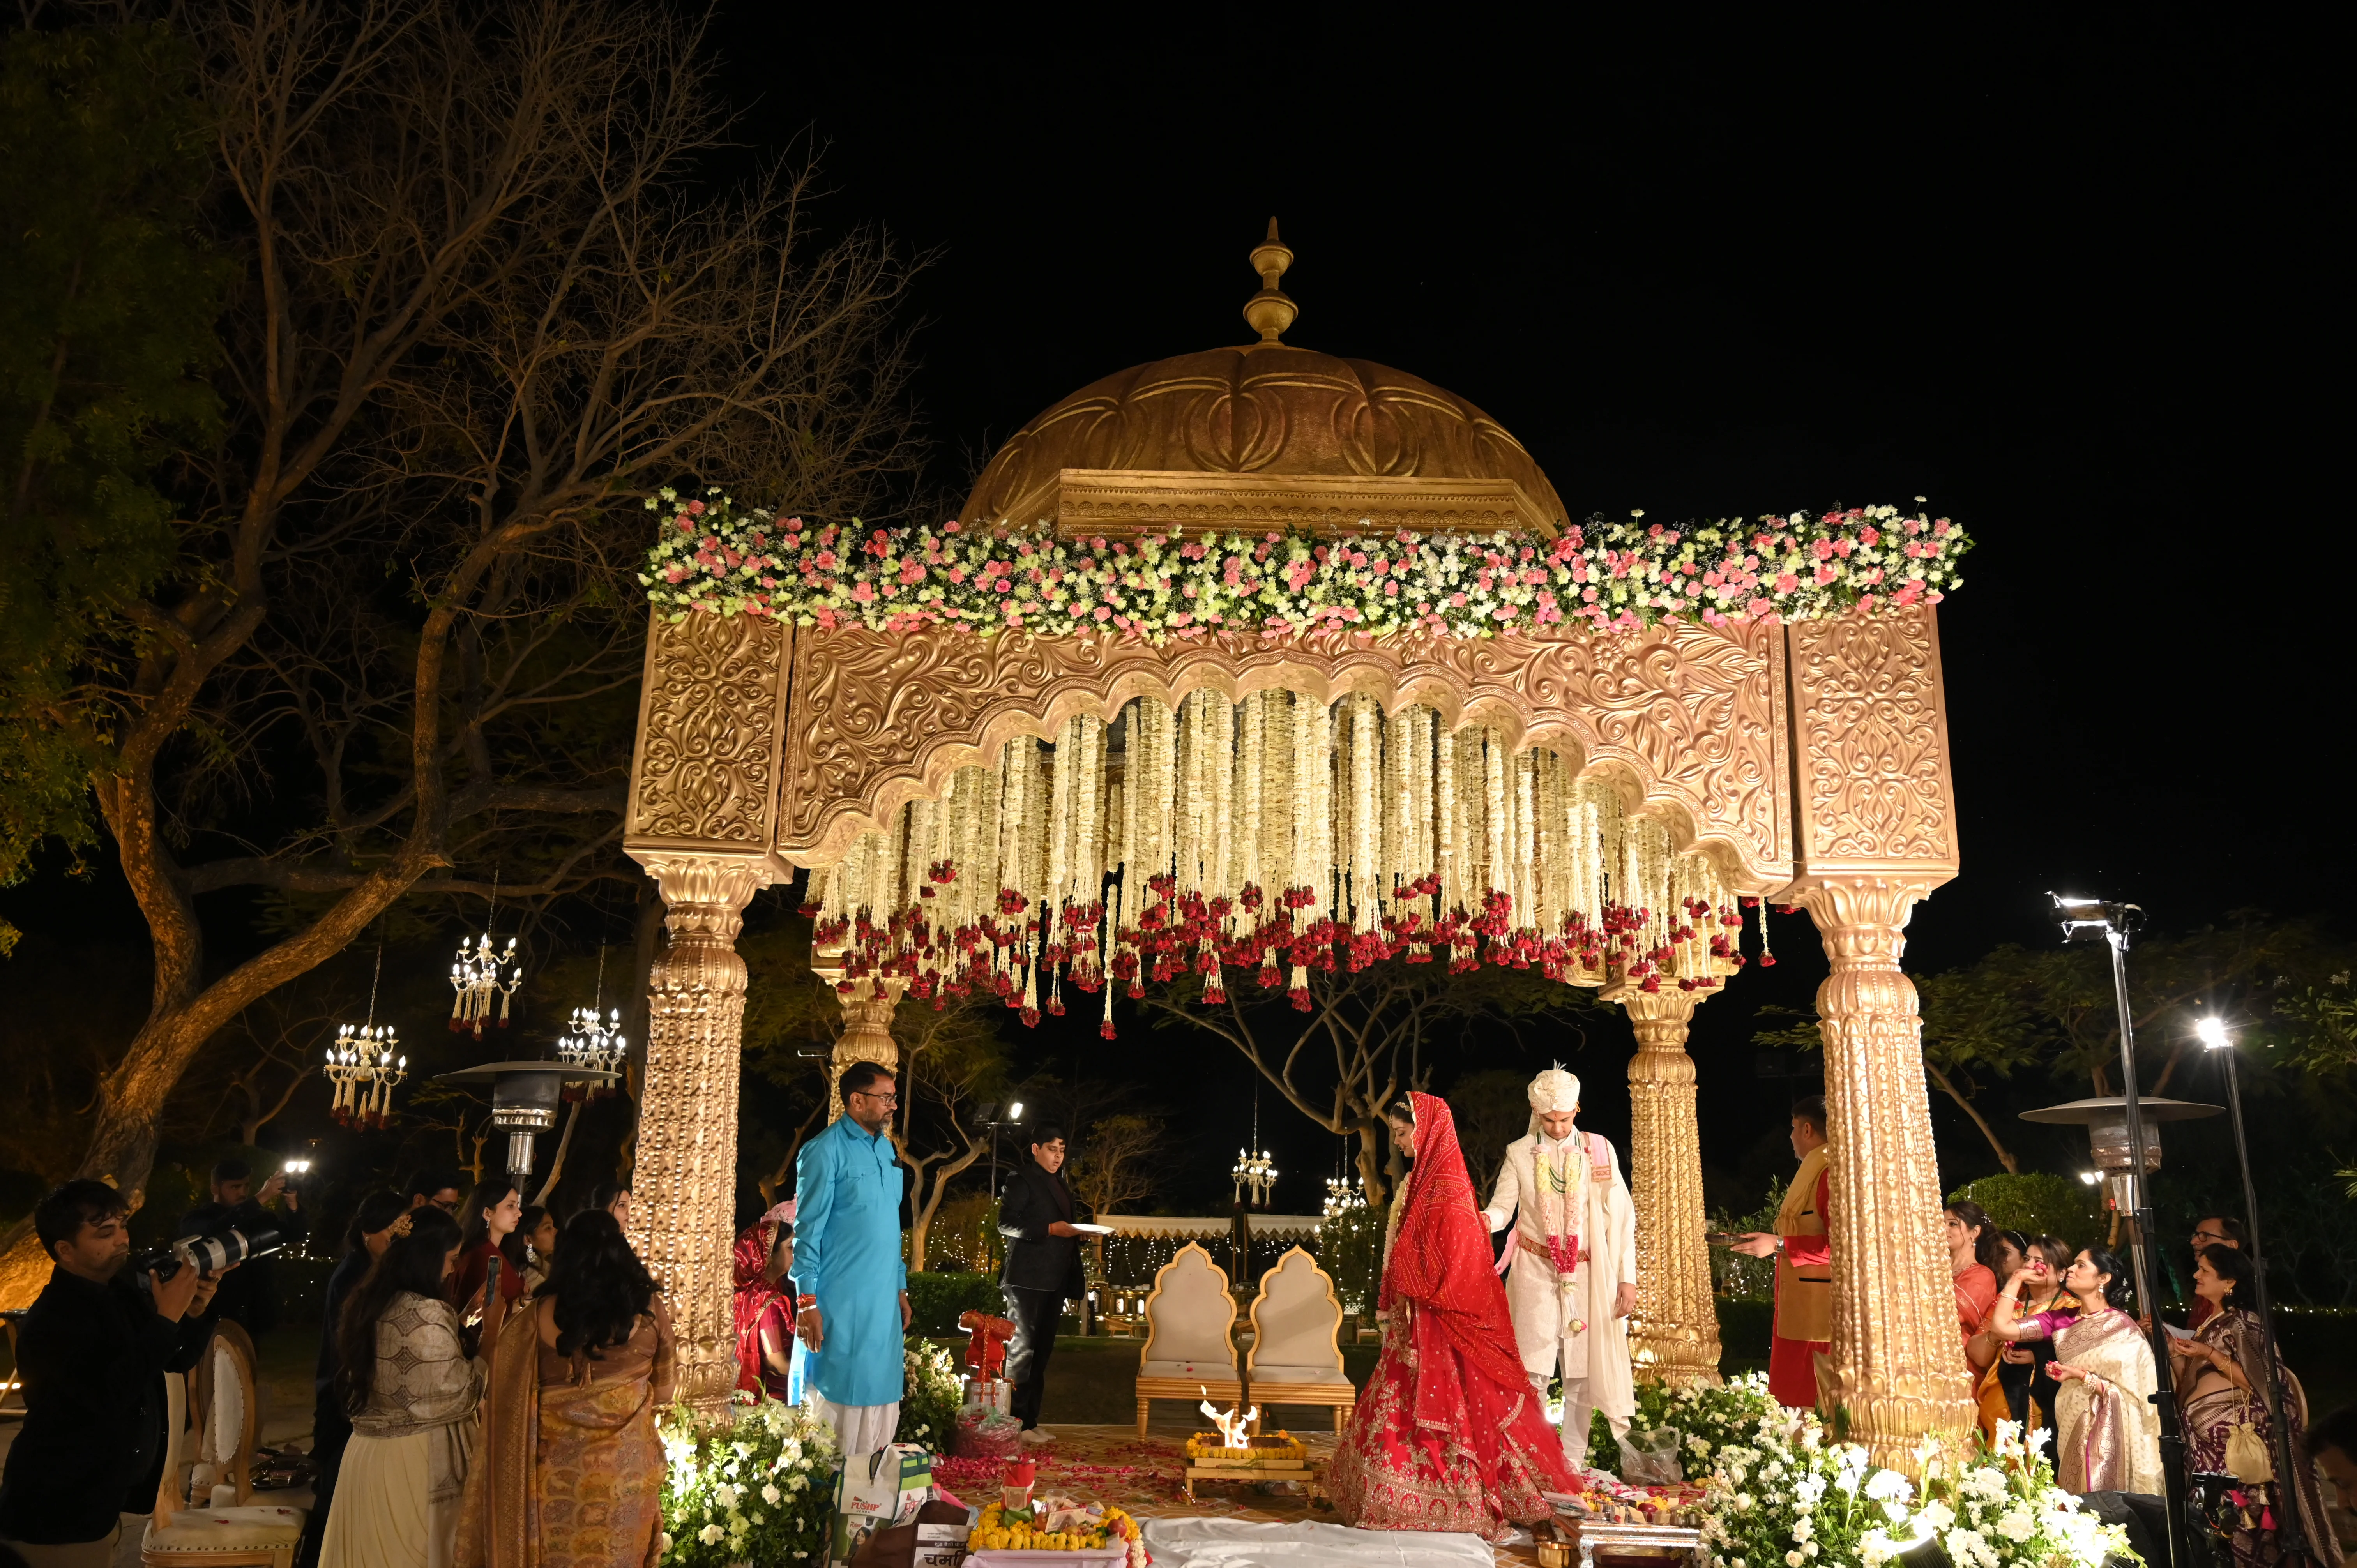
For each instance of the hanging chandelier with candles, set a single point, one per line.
(1263, 839)
(364, 1066)
(484, 977)
(1344, 1194)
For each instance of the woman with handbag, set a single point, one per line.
(2222, 1372)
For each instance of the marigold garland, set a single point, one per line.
(715, 556)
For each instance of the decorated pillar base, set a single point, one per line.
(1674, 1334)
(684, 1188)
(1898, 1370)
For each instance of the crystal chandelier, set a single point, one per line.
(363, 1068)
(482, 975)
(1344, 1194)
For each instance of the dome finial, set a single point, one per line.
(1269, 311)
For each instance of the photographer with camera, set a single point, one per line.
(93, 1349)
(249, 1297)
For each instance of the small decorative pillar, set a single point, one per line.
(684, 1185)
(1674, 1337)
(867, 1009)
(1897, 1373)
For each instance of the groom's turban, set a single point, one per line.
(1554, 1090)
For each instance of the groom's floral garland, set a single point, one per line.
(714, 556)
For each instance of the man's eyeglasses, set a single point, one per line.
(2200, 1237)
(449, 1208)
(887, 1099)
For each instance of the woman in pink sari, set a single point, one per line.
(1448, 1434)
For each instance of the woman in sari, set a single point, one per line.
(1983, 1350)
(1448, 1434)
(2109, 1436)
(764, 1260)
(412, 1392)
(2220, 1372)
(573, 1470)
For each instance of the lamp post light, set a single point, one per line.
(2291, 1537)
(2114, 924)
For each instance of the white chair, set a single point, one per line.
(1295, 1357)
(221, 1529)
(1190, 1321)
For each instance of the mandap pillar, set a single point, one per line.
(1674, 1335)
(702, 821)
(1875, 814)
(684, 1185)
(1898, 1370)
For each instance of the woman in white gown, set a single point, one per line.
(412, 1393)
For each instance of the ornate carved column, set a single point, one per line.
(1876, 832)
(1674, 1337)
(703, 785)
(1895, 1368)
(684, 1188)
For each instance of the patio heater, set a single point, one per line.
(524, 1097)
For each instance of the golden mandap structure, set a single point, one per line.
(1804, 763)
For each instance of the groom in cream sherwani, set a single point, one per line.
(1571, 1278)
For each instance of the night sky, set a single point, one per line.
(2070, 284)
(2064, 284)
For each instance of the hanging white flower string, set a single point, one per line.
(1288, 837)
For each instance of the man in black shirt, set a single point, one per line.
(93, 1350)
(1043, 1267)
(249, 1294)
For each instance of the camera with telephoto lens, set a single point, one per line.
(212, 1254)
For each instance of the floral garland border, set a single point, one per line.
(714, 556)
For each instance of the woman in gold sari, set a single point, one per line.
(2221, 1373)
(573, 1471)
(2108, 1438)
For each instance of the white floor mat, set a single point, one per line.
(1243, 1544)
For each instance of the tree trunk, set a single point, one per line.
(2005, 1156)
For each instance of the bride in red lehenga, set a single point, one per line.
(1448, 1434)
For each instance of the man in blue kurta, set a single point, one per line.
(849, 1278)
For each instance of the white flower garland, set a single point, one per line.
(715, 556)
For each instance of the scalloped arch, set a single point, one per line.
(1689, 721)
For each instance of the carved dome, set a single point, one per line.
(1266, 433)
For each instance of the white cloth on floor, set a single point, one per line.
(859, 1428)
(1242, 1543)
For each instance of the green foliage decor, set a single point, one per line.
(928, 1403)
(2038, 1203)
(935, 1300)
(759, 1492)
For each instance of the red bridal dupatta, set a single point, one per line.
(1448, 1433)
